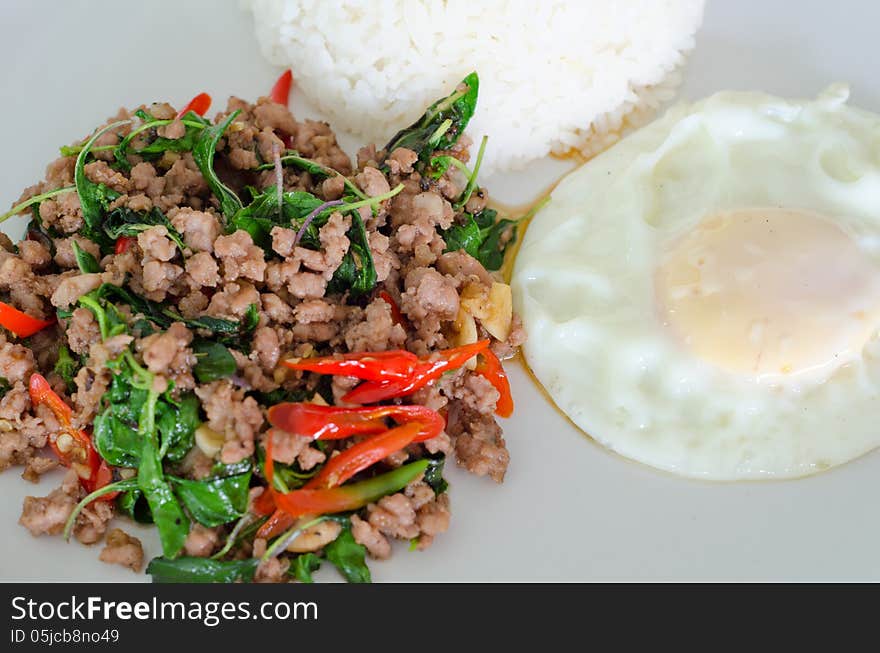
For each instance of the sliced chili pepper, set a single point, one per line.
(396, 314)
(199, 104)
(335, 422)
(21, 324)
(491, 369)
(280, 92)
(358, 457)
(425, 373)
(73, 446)
(373, 366)
(348, 497)
(123, 243)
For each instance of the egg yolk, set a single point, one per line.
(769, 292)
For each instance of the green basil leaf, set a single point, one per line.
(118, 443)
(213, 361)
(214, 501)
(171, 521)
(203, 153)
(177, 425)
(85, 261)
(348, 557)
(202, 570)
(303, 566)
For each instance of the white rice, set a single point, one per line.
(554, 76)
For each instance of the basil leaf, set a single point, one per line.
(434, 475)
(348, 557)
(118, 443)
(356, 273)
(214, 501)
(133, 504)
(66, 366)
(203, 154)
(303, 566)
(202, 570)
(94, 199)
(177, 425)
(125, 222)
(213, 361)
(168, 516)
(85, 261)
(442, 123)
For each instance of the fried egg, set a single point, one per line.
(704, 297)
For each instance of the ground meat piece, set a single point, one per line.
(173, 130)
(233, 301)
(315, 140)
(334, 243)
(274, 116)
(365, 534)
(198, 228)
(433, 517)
(158, 277)
(273, 570)
(72, 288)
(314, 310)
(91, 523)
(90, 387)
(384, 260)
(515, 339)
(203, 270)
(287, 448)
(139, 202)
(401, 160)
(476, 393)
(155, 244)
(62, 212)
(60, 172)
(377, 331)
(234, 415)
(430, 298)
(123, 549)
(283, 240)
(34, 253)
(16, 361)
(394, 515)
(242, 159)
(333, 187)
(47, 515)
(266, 348)
(162, 111)
(201, 541)
(168, 352)
(101, 173)
(278, 310)
(268, 144)
(183, 178)
(372, 182)
(463, 266)
(240, 257)
(479, 445)
(82, 331)
(37, 466)
(286, 277)
(145, 179)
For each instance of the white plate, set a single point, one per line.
(568, 510)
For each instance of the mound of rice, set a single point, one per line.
(553, 75)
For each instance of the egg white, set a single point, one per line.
(584, 285)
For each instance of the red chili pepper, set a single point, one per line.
(73, 446)
(490, 367)
(199, 104)
(348, 497)
(123, 243)
(426, 372)
(335, 422)
(373, 366)
(21, 324)
(396, 314)
(358, 457)
(280, 92)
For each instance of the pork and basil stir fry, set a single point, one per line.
(228, 330)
